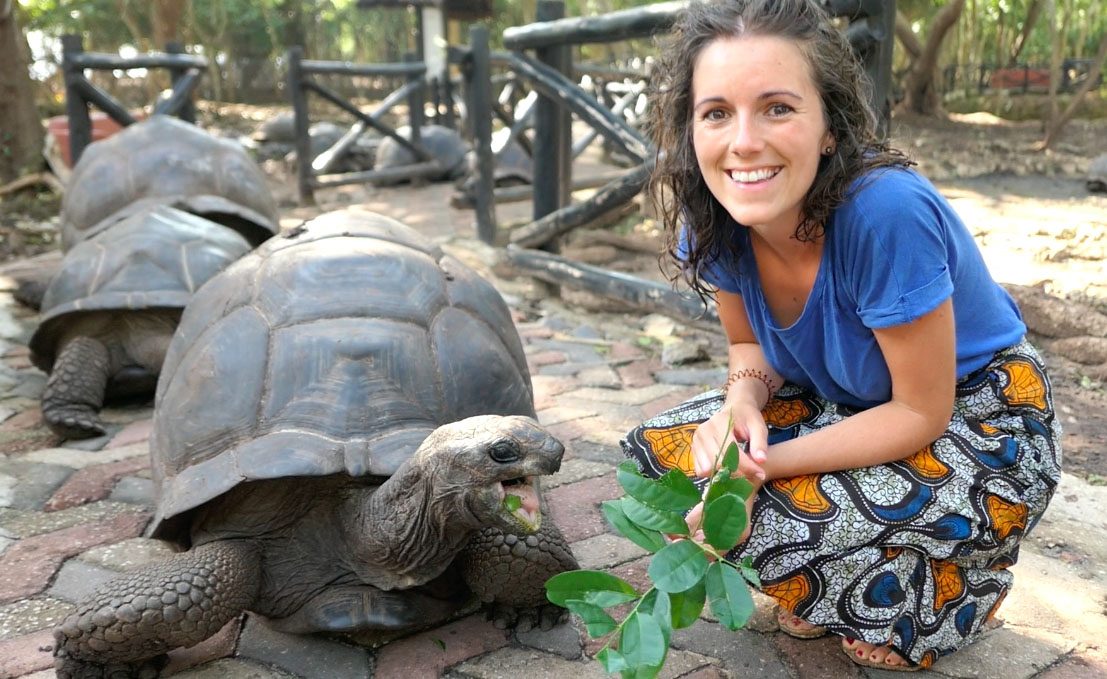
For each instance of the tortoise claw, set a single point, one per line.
(70, 668)
(526, 618)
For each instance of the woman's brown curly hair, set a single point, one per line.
(678, 189)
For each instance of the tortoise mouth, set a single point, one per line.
(519, 501)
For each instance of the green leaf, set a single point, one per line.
(595, 618)
(749, 572)
(722, 484)
(611, 660)
(658, 604)
(724, 520)
(730, 598)
(672, 492)
(730, 458)
(643, 672)
(512, 502)
(678, 567)
(595, 587)
(648, 517)
(648, 539)
(687, 605)
(641, 641)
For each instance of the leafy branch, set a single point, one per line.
(684, 571)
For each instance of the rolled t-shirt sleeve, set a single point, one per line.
(899, 256)
(711, 272)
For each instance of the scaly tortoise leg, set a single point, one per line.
(509, 573)
(129, 623)
(75, 390)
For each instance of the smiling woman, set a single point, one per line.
(899, 429)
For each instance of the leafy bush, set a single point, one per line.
(684, 571)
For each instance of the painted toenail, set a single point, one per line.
(860, 653)
(849, 640)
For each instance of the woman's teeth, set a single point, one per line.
(751, 177)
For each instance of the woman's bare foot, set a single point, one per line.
(864, 653)
(797, 627)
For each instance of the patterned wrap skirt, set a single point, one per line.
(913, 553)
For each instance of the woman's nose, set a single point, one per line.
(746, 137)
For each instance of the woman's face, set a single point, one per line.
(758, 128)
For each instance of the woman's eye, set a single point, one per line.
(714, 114)
(780, 109)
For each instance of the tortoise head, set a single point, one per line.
(490, 465)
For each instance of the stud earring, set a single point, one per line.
(828, 150)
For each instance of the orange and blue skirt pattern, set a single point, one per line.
(913, 553)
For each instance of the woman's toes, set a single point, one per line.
(863, 650)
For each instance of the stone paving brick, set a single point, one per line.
(24, 524)
(233, 668)
(134, 490)
(16, 442)
(6, 413)
(127, 414)
(1075, 667)
(25, 421)
(76, 580)
(528, 331)
(575, 352)
(562, 640)
(560, 369)
(702, 378)
(27, 566)
(5, 543)
(303, 655)
(605, 550)
(98, 442)
(665, 402)
(30, 615)
(427, 654)
(31, 385)
(746, 653)
(1006, 653)
(575, 507)
(79, 459)
(815, 658)
(512, 663)
(625, 351)
(541, 358)
(573, 470)
(94, 483)
(626, 396)
(635, 375)
(128, 554)
(135, 432)
(601, 376)
(26, 654)
(219, 645)
(560, 413)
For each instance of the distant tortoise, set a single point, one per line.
(341, 418)
(113, 305)
(164, 161)
(445, 146)
(1097, 174)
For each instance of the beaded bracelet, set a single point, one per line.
(750, 372)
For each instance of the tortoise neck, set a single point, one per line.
(412, 527)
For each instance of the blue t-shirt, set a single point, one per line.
(894, 251)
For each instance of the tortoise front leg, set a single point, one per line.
(75, 391)
(509, 572)
(129, 623)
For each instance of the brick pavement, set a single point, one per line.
(71, 515)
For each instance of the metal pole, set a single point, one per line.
(300, 115)
(76, 107)
(480, 103)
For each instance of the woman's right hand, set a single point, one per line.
(746, 424)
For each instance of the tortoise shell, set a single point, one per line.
(333, 349)
(1097, 174)
(165, 161)
(155, 259)
(445, 145)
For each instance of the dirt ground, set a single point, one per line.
(1042, 233)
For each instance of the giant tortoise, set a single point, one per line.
(165, 161)
(344, 438)
(445, 146)
(109, 312)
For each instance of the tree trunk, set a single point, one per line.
(20, 126)
(920, 91)
(1032, 13)
(907, 38)
(1059, 122)
(165, 19)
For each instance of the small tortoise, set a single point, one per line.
(112, 307)
(165, 161)
(344, 437)
(445, 146)
(1097, 174)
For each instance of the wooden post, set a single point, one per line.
(300, 114)
(552, 144)
(480, 103)
(76, 107)
(187, 110)
(415, 103)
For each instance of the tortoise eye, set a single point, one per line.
(504, 451)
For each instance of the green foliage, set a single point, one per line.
(685, 573)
